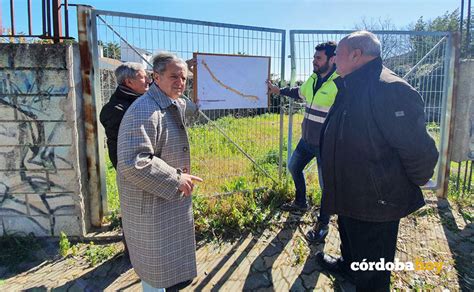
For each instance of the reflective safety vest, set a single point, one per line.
(317, 105)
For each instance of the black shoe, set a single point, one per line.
(293, 208)
(318, 233)
(334, 265)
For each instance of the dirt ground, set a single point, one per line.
(277, 259)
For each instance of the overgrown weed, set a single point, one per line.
(96, 254)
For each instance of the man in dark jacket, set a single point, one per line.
(132, 82)
(376, 155)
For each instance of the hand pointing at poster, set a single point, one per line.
(273, 88)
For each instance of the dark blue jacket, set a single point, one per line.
(376, 151)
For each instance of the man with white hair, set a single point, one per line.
(132, 82)
(377, 153)
(155, 182)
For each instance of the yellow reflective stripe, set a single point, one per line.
(314, 118)
(319, 107)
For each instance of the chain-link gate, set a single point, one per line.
(232, 150)
(241, 149)
(424, 59)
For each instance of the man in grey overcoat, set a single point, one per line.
(154, 180)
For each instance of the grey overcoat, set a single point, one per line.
(158, 221)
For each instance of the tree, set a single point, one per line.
(392, 44)
(449, 21)
(110, 50)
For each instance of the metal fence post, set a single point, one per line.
(282, 112)
(447, 121)
(290, 106)
(95, 167)
(57, 21)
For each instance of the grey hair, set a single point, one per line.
(365, 41)
(161, 59)
(127, 70)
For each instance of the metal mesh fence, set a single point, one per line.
(418, 57)
(470, 37)
(124, 37)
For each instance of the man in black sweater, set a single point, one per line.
(132, 82)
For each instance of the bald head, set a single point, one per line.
(355, 50)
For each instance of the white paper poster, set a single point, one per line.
(231, 81)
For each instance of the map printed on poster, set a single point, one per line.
(231, 81)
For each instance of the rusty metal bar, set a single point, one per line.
(461, 20)
(66, 17)
(470, 179)
(48, 17)
(468, 29)
(43, 16)
(30, 25)
(458, 177)
(12, 15)
(57, 21)
(98, 101)
(465, 177)
(96, 184)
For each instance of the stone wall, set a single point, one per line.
(40, 175)
(463, 138)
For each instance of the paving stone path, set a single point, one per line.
(279, 259)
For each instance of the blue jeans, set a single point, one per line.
(302, 155)
(148, 288)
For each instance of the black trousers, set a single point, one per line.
(371, 241)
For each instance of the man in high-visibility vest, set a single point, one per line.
(319, 92)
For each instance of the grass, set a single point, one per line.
(464, 203)
(113, 200)
(220, 163)
(96, 254)
(462, 195)
(93, 254)
(300, 251)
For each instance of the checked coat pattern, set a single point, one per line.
(157, 220)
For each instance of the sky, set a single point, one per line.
(287, 14)
(282, 14)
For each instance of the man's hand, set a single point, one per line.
(273, 88)
(186, 184)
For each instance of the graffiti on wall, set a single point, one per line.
(34, 149)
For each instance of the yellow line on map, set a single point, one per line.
(251, 97)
